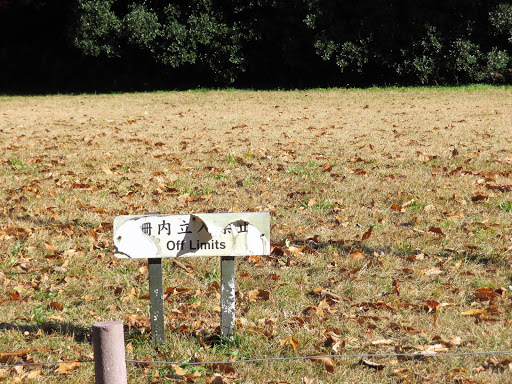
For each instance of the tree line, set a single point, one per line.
(63, 45)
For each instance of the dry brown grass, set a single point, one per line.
(429, 170)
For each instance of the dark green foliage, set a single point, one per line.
(501, 21)
(156, 44)
(442, 41)
(97, 28)
(176, 34)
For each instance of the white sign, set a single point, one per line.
(202, 234)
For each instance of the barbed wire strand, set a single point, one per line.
(263, 359)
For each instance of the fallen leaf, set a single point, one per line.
(424, 158)
(373, 365)
(65, 367)
(432, 349)
(400, 373)
(357, 255)
(56, 317)
(277, 251)
(433, 306)
(318, 290)
(335, 342)
(292, 341)
(186, 267)
(56, 305)
(486, 294)
(226, 369)
(93, 235)
(15, 232)
(50, 247)
(454, 371)
(59, 270)
(256, 260)
(383, 342)
(15, 296)
(118, 291)
(6, 357)
(327, 361)
(32, 375)
(451, 341)
(259, 294)
(416, 220)
(436, 230)
(216, 379)
(178, 370)
(4, 373)
(397, 208)
(396, 287)
(429, 208)
(474, 312)
(479, 197)
(454, 215)
(274, 277)
(367, 234)
(493, 362)
(313, 309)
(431, 271)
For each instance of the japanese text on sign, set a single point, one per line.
(215, 234)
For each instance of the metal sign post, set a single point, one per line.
(156, 300)
(227, 297)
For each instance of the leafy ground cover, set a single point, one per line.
(391, 230)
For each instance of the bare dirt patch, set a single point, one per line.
(391, 222)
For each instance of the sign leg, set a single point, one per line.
(227, 293)
(156, 297)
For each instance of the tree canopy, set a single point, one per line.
(113, 44)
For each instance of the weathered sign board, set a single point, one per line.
(205, 234)
(156, 236)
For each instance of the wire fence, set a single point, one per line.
(265, 359)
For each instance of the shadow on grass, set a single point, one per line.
(472, 254)
(77, 333)
(81, 334)
(204, 337)
(47, 222)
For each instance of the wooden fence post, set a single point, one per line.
(109, 353)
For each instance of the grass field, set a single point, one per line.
(391, 224)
